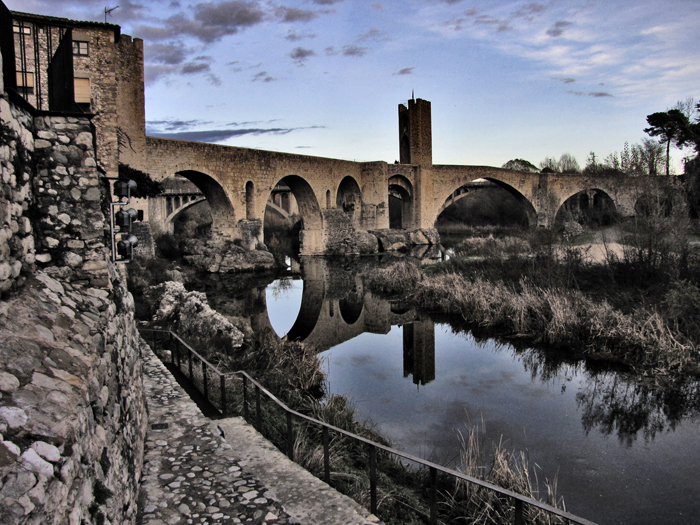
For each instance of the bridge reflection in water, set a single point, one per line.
(335, 308)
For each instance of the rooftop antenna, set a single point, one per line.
(413, 95)
(109, 11)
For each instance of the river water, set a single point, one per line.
(621, 452)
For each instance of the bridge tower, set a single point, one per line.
(415, 133)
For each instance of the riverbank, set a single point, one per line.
(635, 305)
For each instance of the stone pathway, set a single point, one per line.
(192, 475)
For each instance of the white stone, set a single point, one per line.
(64, 218)
(72, 259)
(8, 382)
(5, 271)
(47, 451)
(15, 417)
(14, 449)
(51, 242)
(32, 461)
(43, 258)
(50, 283)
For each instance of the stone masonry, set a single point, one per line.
(72, 405)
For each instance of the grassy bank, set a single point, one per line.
(641, 308)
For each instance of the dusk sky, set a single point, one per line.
(324, 77)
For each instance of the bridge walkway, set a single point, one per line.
(197, 470)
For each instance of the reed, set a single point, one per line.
(561, 318)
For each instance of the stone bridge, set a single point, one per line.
(336, 197)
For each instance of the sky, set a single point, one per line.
(506, 79)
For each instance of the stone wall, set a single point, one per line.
(72, 407)
(16, 231)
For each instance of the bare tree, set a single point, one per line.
(550, 163)
(569, 164)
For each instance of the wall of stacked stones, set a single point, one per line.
(17, 247)
(72, 407)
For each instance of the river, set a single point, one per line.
(621, 451)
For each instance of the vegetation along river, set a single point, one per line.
(621, 451)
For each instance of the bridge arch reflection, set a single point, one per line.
(330, 289)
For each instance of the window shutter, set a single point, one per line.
(82, 90)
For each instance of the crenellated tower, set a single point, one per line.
(415, 133)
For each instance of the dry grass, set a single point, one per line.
(469, 503)
(561, 318)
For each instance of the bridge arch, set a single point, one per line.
(401, 196)
(589, 206)
(222, 212)
(349, 199)
(522, 200)
(175, 212)
(484, 183)
(311, 236)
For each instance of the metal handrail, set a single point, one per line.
(434, 468)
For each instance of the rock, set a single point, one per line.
(225, 257)
(15, 417)
(18, 484)
(8, 382)
(193, 314)
(33, 462)
(46, 451)
(9, 452)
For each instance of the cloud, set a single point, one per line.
(405, 71)
(175, 125)
(263, 77)
(173, 53)
(326, 2)
(293, 36)
(354, 51)
(153, 73)
(577, 93)
(373, 34)
(529, 11)
(378, 7)
(211, 22)
(300, 54)
(348, 51)
(558, 28)
(565, 80)
(292, 14)
(598, 94)
(219, 135)
(191, 68)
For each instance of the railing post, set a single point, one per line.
(433, 496)
(177, 354)
(222, 382)
(518, 512)
(290, 437)
(258, 415)
(205, 385)
(326, 457)
(172, 352)
(189, 358)
(246, 414)
(155, 342)
(373, 479)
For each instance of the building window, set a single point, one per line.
(23, 29)
(80, 48)
(82, 93)
(25, 83)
